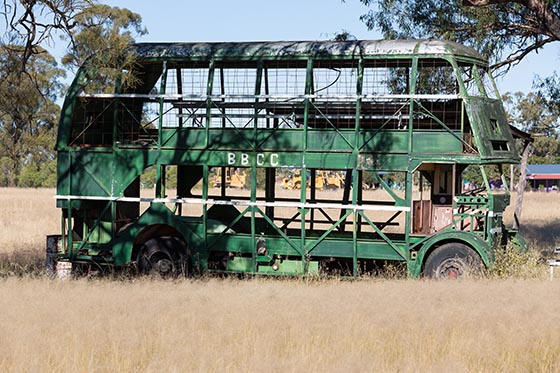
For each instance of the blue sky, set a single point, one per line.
(248, 20)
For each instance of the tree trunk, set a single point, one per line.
(521, 185)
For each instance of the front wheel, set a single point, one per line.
(452, 261)
(163, 257)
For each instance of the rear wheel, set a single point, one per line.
(163, 257)
(452, 261)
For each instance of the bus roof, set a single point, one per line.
(301, 49)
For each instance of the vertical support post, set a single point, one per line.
(205, 167)
(180, 93)
(160, 181)
(484, 177)
(356, 174)
(161, 103)
(223, 92)
(160, 175)
(204, 204)
(257, 92)
(312, 196)
(116, 104)
(209, 88)
(71, 253)
(69, 237)
(409, 184)
(356, 186)
(267, 93)
(303, 192)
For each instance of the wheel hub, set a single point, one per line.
(451, 268)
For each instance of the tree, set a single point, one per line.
(32, 25)
(88, 27)
(535, 115)
(531, 113)
(493, 27)
(30, 77)
(102, 33)
(28, 113)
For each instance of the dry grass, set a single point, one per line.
(28, 215)
(540, 219)
(278, 325)
(269, 324)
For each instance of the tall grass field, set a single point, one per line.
(505, 321)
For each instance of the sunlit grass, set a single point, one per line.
(279, 325)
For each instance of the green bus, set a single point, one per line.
(377, 134)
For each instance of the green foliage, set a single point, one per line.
(28, 112)
(473, 174)
(102, 35)
(545, 150)
(490, 26)
(513, 263)
(548, 90)
(38, 175)
(30, 77)
(148, 178)
(536, 115)
(532, 113)
(261, 178)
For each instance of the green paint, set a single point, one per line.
(348, 107)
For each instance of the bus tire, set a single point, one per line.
(452, 261)
(164, 257)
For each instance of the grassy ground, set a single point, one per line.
(279, 325)
(499, 323)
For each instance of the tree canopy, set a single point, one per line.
(503, 30)
(31, 79)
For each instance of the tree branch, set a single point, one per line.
(515, 58)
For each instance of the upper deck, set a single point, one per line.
(351, 104)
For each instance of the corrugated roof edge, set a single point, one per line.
(543, 169)
(282, 49)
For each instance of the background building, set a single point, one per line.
(545, 177)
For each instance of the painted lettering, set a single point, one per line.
(262, 159)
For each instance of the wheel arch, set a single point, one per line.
(473, 242)
(156, 221)
(154, 231)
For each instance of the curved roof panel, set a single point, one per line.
(301, 49)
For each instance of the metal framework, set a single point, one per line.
(408, 115)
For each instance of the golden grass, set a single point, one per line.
(143, 325)
(28, 215)
(279, 325)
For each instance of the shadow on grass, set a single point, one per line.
(544, 237)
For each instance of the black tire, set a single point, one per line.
(165, 257)
(452, 261)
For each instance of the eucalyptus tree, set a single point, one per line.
(504, 30)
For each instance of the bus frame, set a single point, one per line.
(409, 115)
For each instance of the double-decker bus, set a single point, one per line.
(144, 154)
